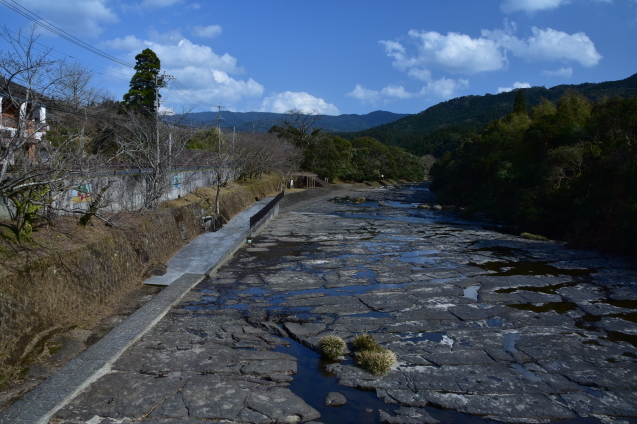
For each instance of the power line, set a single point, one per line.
(61, 55)
(188, 96)
(23, 11)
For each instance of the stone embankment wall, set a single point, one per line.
(68, 288)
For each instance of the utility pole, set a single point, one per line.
(217, 206)
(234, 130)
(219, 127)
(164, 78)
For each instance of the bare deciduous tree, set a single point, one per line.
(34, 171)
(155, 147)
(301, 128)
(260, 153)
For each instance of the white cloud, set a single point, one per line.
(216, 86)
(175, 51)
(185, 53)
(531, 6)
(82, 18)
(443, 88)
(515, 85)
(457, 53)
(164, 110)
(210, 31)
(548, 45)
(365, 95)
(509, 6)
(562, 72)
(462, 54)
(158, 4)
(130, 42)
(420, 73)
(282, 102)
(197, 67)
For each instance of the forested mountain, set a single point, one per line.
(261, 122)
(435, 129)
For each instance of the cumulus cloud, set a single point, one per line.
(365, 95)
(83, 18)
(176, 51)
(462, 54)
(282, 102)
(549, 45)
(205, 73)
(453, 52)
(562, 72)
(210, 31)
(515, 86)
(443, 88)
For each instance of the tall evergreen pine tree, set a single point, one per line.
(520, 103)
(142, 92)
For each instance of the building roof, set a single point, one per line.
(12, 90)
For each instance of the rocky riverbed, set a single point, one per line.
(486, 327)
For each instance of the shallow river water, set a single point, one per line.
(486, 326)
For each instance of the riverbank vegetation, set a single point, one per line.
(73, 277)
(565, 170)
(333, 157)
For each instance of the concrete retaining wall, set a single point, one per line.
(126, 191)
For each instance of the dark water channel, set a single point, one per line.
(312, 381)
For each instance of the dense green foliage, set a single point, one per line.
(365, 159)
(438, 128)
(332, 157)
(566, 170)
(142, 93)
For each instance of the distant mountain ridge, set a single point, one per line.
(434, 129)
(262, 121)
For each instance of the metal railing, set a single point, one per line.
(263, 212)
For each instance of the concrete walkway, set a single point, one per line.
(186, 269)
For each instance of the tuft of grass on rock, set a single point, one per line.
(365, 342)
(359, 200)
(535, 237)
(376, 362)
(332, 346)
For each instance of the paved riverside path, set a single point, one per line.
(485, 326)
(186, 268)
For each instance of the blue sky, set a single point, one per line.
(344, 56)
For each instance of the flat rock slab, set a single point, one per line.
(481, 323)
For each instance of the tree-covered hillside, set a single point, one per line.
(434, 130)
(566, 170)
(261, 122)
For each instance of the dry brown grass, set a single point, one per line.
(70, 276)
